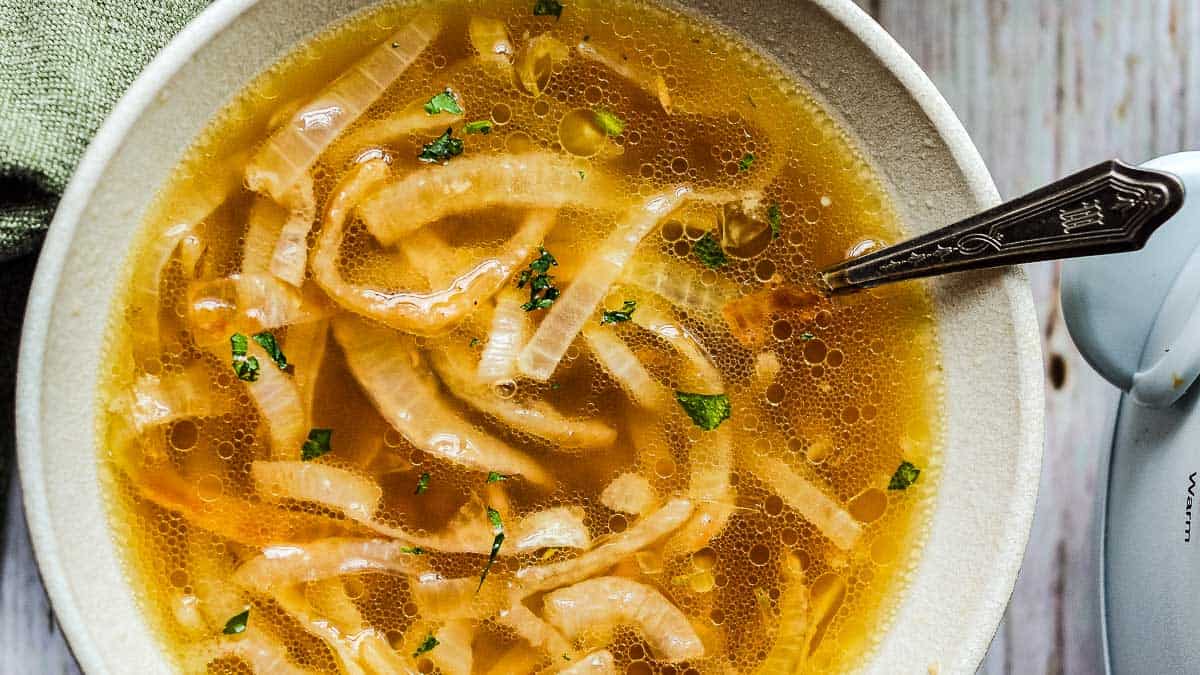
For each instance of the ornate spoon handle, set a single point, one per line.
(1108, 208)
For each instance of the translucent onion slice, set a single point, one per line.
(579, 301)
(355, 495)
(711, 459)
(278, 400)
(248, 303)
(535, 64)
(557, 527)
(519, 658)
(509, 330)
(290, 255)
(162, 399)
(439, 598)
(410, 119)
(534, 180)
(806, 498)
(454, 364)
(608, 601)
(292, 601)
(644, 78)
(701, 375)
(146, 280)
(258, 650)
(644, 533)
(629, 493)
(619, 361)
(264, 221)
(388, 366)
(530, 627)
(286, 564)
(790, 649)
(305, 347)
(453, 655)
(424, 313)
(490, 38)
(599, 662)
(292, 150)
(681, 285)
(233, 518)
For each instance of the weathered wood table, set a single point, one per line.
(1044, 88)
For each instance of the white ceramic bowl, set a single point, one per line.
(990, 349)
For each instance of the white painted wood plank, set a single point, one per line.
(30, 641)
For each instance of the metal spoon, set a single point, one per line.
(1108, 208)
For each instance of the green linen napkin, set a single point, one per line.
(63, 64)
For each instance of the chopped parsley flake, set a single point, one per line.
(428, 645)
(542, 292)
(806, 336)
(237, 624)
(708, 250)
(317, 444)
(619, 315)
(608, 122)
(478, 127)
(268, 342)
(422, 483)
(445, 102)
(412, 550)
(552, 8)
(706, 410)
(497, 527)
(442, 148)
(496, 477)
(245, 366)
(906, 474)
(474, 342)
(775, 219)
(745, 162)
(582, 175)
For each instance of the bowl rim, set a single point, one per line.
(217, 17)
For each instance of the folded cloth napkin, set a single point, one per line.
(63, 64)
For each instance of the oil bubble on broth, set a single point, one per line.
(485, 337)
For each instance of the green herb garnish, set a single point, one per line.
(498, 528)
(582, 175)
(317, 444)
(906, 474)
(708, 250)
(552, 8)
(806, 336)
(245, 366)
(542, 292)
(619, 315)
(775, 218)
(474, 342)
(237, 624)
(608, 122)
(745, 162)
(480, 127)
(422, 483)
(442, 148)
(706, 410)
(445, 102)
(496, 477)
(429, 643)
(412, 550)
(268, 342)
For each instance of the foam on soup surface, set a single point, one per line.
(485, 337)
